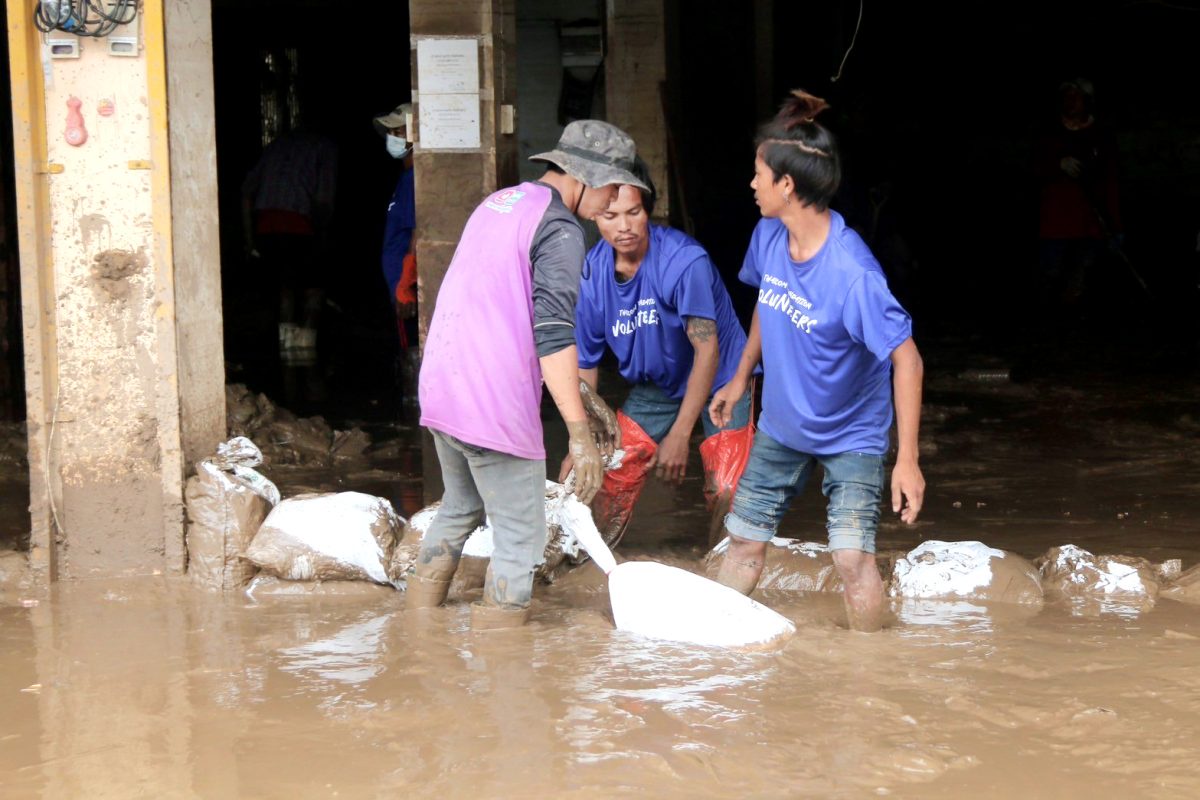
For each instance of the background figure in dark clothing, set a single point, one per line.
(288, 202)
(1076, 166)
(398, 260)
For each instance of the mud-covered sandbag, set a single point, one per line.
(227, 500)
(793, 565)
(561, 546)
(1184, 587)
(328, 537)
(965, 570)
(287, 439)
(1072, 572)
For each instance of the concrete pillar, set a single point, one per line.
(635, 72)
(450, 184)
(123, 346)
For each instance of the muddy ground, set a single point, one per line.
(149, 688)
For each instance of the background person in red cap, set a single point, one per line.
(504, 324)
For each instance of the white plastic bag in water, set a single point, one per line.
(323, 537)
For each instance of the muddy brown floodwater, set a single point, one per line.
(149, 688)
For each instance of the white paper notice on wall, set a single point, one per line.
(448, 79)
(448, 66)
(449, 121)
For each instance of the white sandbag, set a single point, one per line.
(664, 602)
(969, 570)
(1073, 572)
(561, 545)
(227, 500)
(333, 536)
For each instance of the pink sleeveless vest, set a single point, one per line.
(480, 378)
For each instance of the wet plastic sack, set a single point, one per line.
(344, 536)
(613, 505)
(227, 501)
(724, 455)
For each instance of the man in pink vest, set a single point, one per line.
(504, 324)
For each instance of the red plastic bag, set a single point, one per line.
(724, 455)
(613, 506)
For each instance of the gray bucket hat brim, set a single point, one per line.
(594, 153)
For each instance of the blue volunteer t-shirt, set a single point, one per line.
(829, 326)
(643, 320)
(398, 230)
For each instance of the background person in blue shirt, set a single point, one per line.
(834, 345)
(652, 295)
(399, 265)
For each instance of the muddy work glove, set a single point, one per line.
(589, 467)
(601, 419)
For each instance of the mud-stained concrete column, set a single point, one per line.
(192, 383)
(635, 69)
(449, 184)
(107, 401)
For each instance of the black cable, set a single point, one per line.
(89, 18)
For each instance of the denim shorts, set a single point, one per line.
(776, 473)
(651, 408)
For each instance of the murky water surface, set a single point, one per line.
(149, 688)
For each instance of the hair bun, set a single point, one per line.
(801, 108)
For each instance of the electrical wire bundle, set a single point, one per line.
(84, 17)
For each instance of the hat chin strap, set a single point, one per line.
(579, 202)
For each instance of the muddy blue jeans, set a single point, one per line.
(510, 493)
(776, 473)
(651, 408)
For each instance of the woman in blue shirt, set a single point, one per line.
(834, 346)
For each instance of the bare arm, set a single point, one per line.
(721, 410)
(908, 484)
(560, 371)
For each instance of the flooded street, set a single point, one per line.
(151, 688)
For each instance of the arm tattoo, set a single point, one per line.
(700, 330)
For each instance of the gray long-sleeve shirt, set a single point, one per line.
(557, 254)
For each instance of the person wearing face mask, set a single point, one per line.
(504, 324)
(399, 262)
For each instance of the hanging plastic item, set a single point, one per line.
(724, 455)
(613, 505)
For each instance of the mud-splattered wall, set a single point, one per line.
(118, 402)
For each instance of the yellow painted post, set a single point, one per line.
(37, 282)
(170, 436)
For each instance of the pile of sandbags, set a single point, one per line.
(937, 570)
(286, 439)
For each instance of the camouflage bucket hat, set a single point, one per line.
(594, 153)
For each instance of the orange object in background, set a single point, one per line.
(406, 287)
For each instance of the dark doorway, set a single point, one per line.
(282, 65)
(14, 471)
